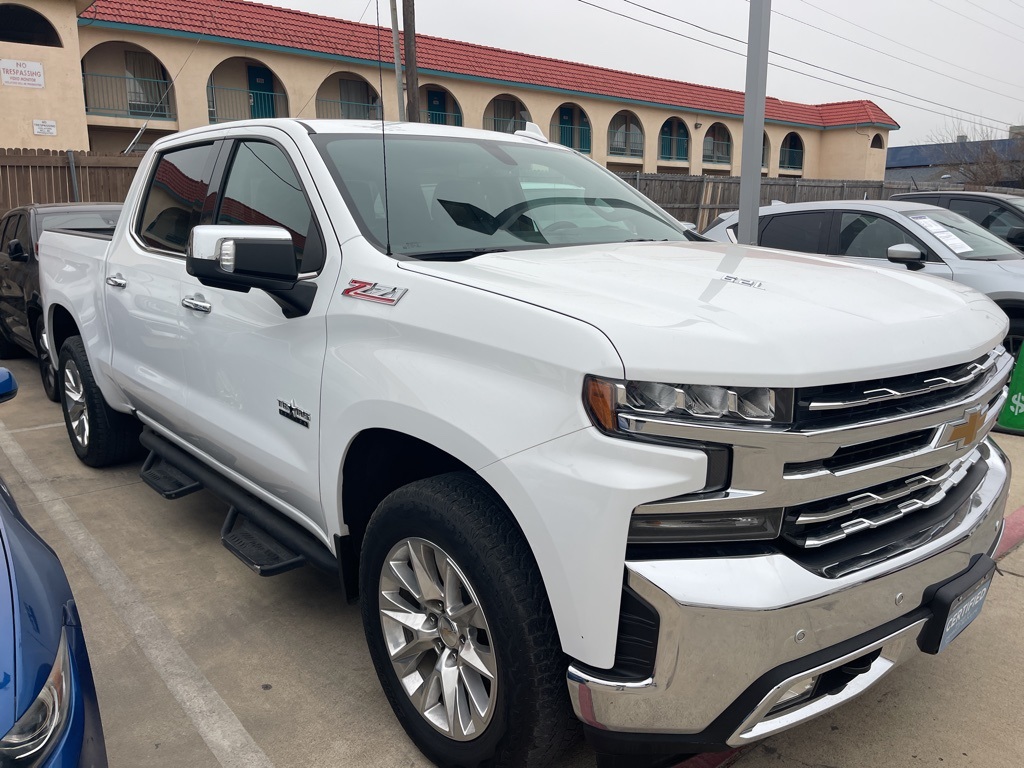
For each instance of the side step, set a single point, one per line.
(260, 551)
(166, 479)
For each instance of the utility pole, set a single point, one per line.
(412, 78)
(753, 120)
(398, 60)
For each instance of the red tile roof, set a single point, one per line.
(269, 25)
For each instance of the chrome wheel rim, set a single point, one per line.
(438, 639)
(74, 404)
(49, 377)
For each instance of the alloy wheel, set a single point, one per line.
(438, 639)
(75, 405)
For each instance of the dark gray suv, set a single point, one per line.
(1002, 215)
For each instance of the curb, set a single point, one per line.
(1013, 533)
(1013, 537)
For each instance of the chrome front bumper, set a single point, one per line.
(736, 632)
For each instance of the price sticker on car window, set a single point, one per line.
(956, 245)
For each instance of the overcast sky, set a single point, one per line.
(961, 59)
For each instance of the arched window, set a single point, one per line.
(570, 127)
(347, 96)
(439, 106)
(718, 144)
(876, 142)
(766, 149)
(19, 24)
(626, 136)
(240, 88)
(505, 113)
(674, 141)
(791, 156)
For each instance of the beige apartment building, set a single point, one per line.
(81, 75)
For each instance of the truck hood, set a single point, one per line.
(720, 313)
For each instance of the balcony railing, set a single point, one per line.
(717, 151)
(575, 136)
(347, 110)
(623, 143)
(441, 118)
(241, 104)
(791, 159)
(120, 96)
(674, 148)
(504, 124)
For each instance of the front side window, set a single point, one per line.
(174, 200)
(795, 232)
(991, 216)
(262, 189)
(456, 197)
(7, 227)
(869, 236)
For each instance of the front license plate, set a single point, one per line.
(963, 611)
(956, 604)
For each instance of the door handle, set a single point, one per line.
(190, 302)
(116, 281)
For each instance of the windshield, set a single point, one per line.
(454, 197)
(1016, 202)
(965, 238)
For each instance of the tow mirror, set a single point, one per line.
(8, 385)
(238, 258)
(1015, 236)
(16, 251)
(905, 253)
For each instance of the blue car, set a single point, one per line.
(48, 710)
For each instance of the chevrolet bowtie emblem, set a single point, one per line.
(963, 432)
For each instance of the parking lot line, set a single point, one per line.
(213, 719)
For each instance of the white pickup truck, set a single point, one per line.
(568, 460)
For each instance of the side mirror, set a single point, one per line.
(16, 251)
(8, 385)
(238, 258)
(1015, 236)
(905, 253)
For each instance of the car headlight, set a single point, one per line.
(37, 731)
(612, 404)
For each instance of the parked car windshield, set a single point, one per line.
(455, 197)
(1015, 202)
(965, 238)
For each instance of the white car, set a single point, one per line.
(900, 235)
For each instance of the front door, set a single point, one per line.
(261, 93)
(437, 102)
(254, 375)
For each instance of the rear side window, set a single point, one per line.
(263, 189)
(795, 232)
(174, 200)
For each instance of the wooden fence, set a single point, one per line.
(700, 199)
(45, 176)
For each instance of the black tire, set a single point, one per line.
(8, 349)
(1014, 337)
(107, 437)
(531, 721)
(46, 371)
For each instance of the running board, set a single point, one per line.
(166, 479)
(258, 523)
(262, 553)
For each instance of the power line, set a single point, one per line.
(790, 69)
(898, 58)
(993, 13)
(807, 63)
(901, 43)
(980, 23)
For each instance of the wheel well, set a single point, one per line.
(380, 461)
(63, 327)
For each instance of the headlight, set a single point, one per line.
(35, 734)
(611, 404)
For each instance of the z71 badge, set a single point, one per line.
(743, 281)
(382, 294)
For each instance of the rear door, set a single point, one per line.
(143, 285)
(866, 237)
(254, 375)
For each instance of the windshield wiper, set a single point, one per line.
(455, 255)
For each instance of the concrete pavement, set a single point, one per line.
(199, 663)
